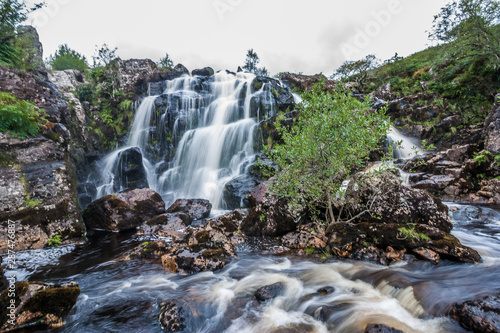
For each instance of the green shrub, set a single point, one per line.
(66, 58)
(19, 118)
(332, 137)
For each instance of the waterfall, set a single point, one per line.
(404, 147)
(193, 138)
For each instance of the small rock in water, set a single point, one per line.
(326, 290)
(481, 315)
(269, 292)
(171, 316)
(378, 328)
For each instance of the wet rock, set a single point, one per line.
(204, 249)
(379, 328)
(236, 191)
(269, 292)
(195, 208)
(164, 225)
(269, 215)
(482, 315)
(37, 304)
(130, 170)
(427, 254)
(123, 211)
(228, 223)
(206, 71)
(171, 316)
(326, 290)
(294, 328)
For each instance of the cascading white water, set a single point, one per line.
(218, 150)
(404, 147)
(210, 127)
(138, 138)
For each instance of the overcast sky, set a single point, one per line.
(289, 35)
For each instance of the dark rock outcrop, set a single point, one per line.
(236, 191)
(37, 193)
(195, 208)
(123, 211)
(482, 315)
(306, 82)
(37, 305)
(269, 215)
(130, 169)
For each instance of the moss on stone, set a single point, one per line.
(58, 301)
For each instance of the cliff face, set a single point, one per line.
(38, 189)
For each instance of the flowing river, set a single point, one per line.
(412, 296)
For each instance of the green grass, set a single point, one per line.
(410, 234)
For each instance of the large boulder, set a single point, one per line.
(386, 200)
(123, 211)
(206, 71)
(130, 170)
(36, 305)
(195, 208)
(236, 191)
(269, 215)
(482, 315)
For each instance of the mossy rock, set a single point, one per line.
(58, 301)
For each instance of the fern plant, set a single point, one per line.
(19, 118)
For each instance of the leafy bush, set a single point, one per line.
(332, 137)
(66, 58)
(19, 118)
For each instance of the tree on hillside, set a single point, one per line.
(473, 25)
(251, 62)
(332, 137)
(66, 58)
(166, 62)
(104, 55)
(12, 13)
(356, 71)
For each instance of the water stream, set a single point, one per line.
(411, 296)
